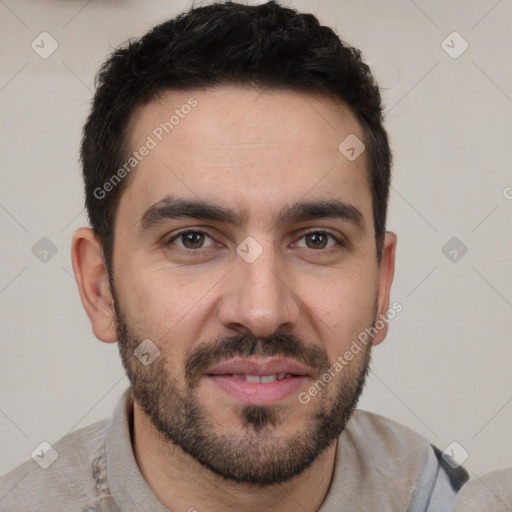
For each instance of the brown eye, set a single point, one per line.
(190, 239)
(319, 240)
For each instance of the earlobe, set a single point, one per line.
(386, 273)
(92, 279)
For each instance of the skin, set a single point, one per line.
(255, 152)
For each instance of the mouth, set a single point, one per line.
(259, 382)
(264, 379)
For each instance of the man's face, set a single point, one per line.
(252, 302)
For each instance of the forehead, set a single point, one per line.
(244, 147)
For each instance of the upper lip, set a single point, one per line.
(259, 367)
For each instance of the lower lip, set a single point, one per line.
(254, 393)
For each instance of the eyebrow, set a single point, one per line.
(173, 208)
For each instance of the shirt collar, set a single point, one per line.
(128, 488)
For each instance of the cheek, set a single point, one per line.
(342, 310)
(166, 306)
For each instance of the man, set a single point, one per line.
(236, 175)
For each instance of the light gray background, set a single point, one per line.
(444, 369)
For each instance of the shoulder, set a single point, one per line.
(60, 474)
(394, 438)
(491, 492)
(400, 462)
(384, 438)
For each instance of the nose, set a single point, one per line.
(259, 297)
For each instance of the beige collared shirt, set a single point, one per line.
(380, 465)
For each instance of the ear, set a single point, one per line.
(386, 272)
(92, 278)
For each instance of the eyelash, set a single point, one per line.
(339, 242)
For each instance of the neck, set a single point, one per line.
(181, 483)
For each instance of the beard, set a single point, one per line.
(254, 453)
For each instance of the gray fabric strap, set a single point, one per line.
(434, 491)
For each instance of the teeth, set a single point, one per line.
(264, 379)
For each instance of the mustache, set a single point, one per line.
(243, 345)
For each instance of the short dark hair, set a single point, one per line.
(267, 46)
